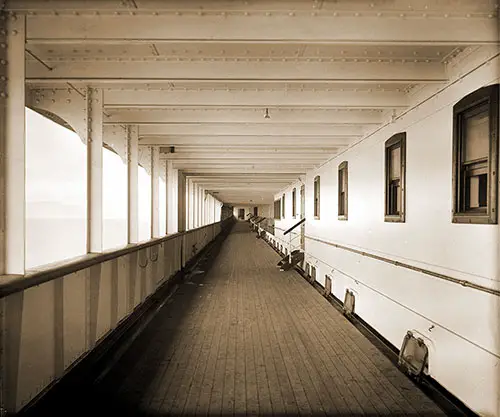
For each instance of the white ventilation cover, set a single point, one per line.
(328, 286)
(349, 302)
(413, 355)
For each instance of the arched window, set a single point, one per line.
(475, 157)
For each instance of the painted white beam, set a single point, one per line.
(246, 141)
(133, 184)
(274, 97)
(12, 154)
(94, 140)
(328, 26)
(254, 129)
(272, 156)
(216, 151)
(227, 115)
(296, 171)
(153, 71)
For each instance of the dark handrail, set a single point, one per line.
(262, 219)
(23, 282)
(295, 225)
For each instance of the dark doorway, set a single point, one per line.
(241, 214)
(255, 211)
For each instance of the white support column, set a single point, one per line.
(94, 99)
(195, 206)
(12, 146)
(133, 183)
(171, 198)
(201, 200)
(190, 186)
(155, 192)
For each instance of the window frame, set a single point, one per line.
(488, 96)
(277, 209)
(398, 139)
(294, 203)
(317, 197)
(283, 201)
(342, 172)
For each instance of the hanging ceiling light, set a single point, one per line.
(266, 116)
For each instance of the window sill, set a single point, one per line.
(473, 219)
(394, 219)
(342, 217)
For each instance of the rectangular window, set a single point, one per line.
(294, 203)
(316, 197)
(475, 156)
(277, 209)
(283, 206)
(395, 174)
(342, 187)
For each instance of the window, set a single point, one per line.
(144, 193)
(294, 203)
(114, 199)
(316, 197)
(56, 192)
(342, 209)
(395, 173)
(277, 209)
(475, 157)
(283, 206)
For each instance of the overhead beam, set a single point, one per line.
(308, 96)
(248, 115)
(265, 25)
(254, 129)
(215, 151)
(246, 140)
(272, 156)
(246, 170)
(147, 70)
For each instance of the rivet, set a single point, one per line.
(3, 61)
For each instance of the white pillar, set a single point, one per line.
(94, 100)
(201, 197)
(133, 183)
(155, 192)
(12, 147)
(190, 203)
(171, 198)
(195, 205)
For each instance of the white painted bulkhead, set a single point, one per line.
(458, 324)
(262, 210)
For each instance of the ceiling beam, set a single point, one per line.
(391, 27)
(279, 96)
(253, 129)
(246, 141)
(249, 115)
(273, 156)
(152, 70)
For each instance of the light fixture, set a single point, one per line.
(266, 116)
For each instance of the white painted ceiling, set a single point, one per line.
(199, 75)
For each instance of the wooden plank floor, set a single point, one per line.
(247, 339)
